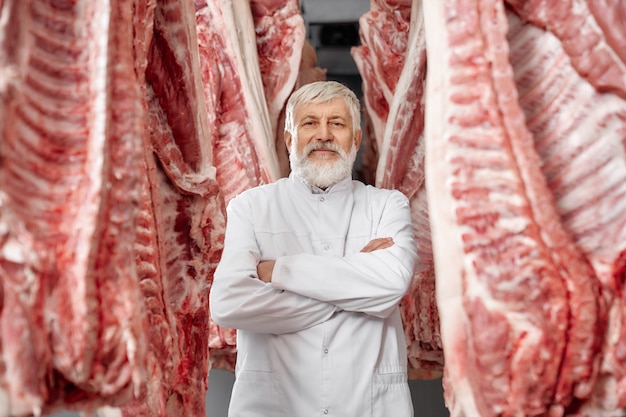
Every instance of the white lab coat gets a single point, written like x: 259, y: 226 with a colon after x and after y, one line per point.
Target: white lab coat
x: 325, y: 337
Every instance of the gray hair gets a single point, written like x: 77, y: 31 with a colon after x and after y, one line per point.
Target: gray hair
x: 321, y: 92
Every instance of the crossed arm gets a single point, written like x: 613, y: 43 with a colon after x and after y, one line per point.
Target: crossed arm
x: 266, y: 268
x: 298, y: 291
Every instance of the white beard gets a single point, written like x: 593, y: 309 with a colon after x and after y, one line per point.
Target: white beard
x: 325, y: 174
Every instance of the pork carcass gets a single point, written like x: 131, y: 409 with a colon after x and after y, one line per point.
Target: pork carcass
x: 525, y: 312
x: 182, y: 217
x: 384, y: 32
x: 583, y: 156
x: 280, y: 35
x: 243, y: 149
x: 70, y: 183
x: 400, y: 160
x: 110, y: 210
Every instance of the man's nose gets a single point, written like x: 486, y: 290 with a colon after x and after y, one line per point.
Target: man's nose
x: 324, y: 133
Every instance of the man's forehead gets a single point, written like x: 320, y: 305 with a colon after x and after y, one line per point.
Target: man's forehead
x: 336, y: 107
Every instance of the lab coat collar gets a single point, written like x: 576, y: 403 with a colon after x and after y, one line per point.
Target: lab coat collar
x: 342, y: 185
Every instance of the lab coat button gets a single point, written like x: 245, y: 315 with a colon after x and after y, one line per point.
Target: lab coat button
x: 326, y: 247
x: 321, y: 199
x: 325, y: 350
x: 325, y: 411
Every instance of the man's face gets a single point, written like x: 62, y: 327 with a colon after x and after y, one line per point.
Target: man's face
x: 324, y: 122
x: 325, y: 147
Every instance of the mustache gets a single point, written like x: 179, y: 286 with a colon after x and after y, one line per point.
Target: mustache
x: 328, y: 146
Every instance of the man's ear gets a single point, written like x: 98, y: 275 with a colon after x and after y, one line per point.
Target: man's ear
x: 357, y: 138
x: 287, y: 137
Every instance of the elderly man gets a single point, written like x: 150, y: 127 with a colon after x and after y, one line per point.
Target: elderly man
x: 313, y: 270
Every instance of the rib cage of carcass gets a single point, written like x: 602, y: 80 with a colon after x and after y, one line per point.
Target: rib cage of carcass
x: 126, y: 126
x: 110, y: 210
x: 525, y: 138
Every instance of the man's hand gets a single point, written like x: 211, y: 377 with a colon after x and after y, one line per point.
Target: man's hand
x: 378, y: 243
x: 264, y: 270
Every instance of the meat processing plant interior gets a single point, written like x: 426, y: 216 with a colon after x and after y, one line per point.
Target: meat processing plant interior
x: 190, y: 228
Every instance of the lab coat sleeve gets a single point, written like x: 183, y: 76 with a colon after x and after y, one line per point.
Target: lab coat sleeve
x: 372, y: 283
x: 239, y: 299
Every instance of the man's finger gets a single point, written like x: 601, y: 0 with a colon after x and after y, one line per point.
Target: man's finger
x: 264, y: 270
x: 378, y: 243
